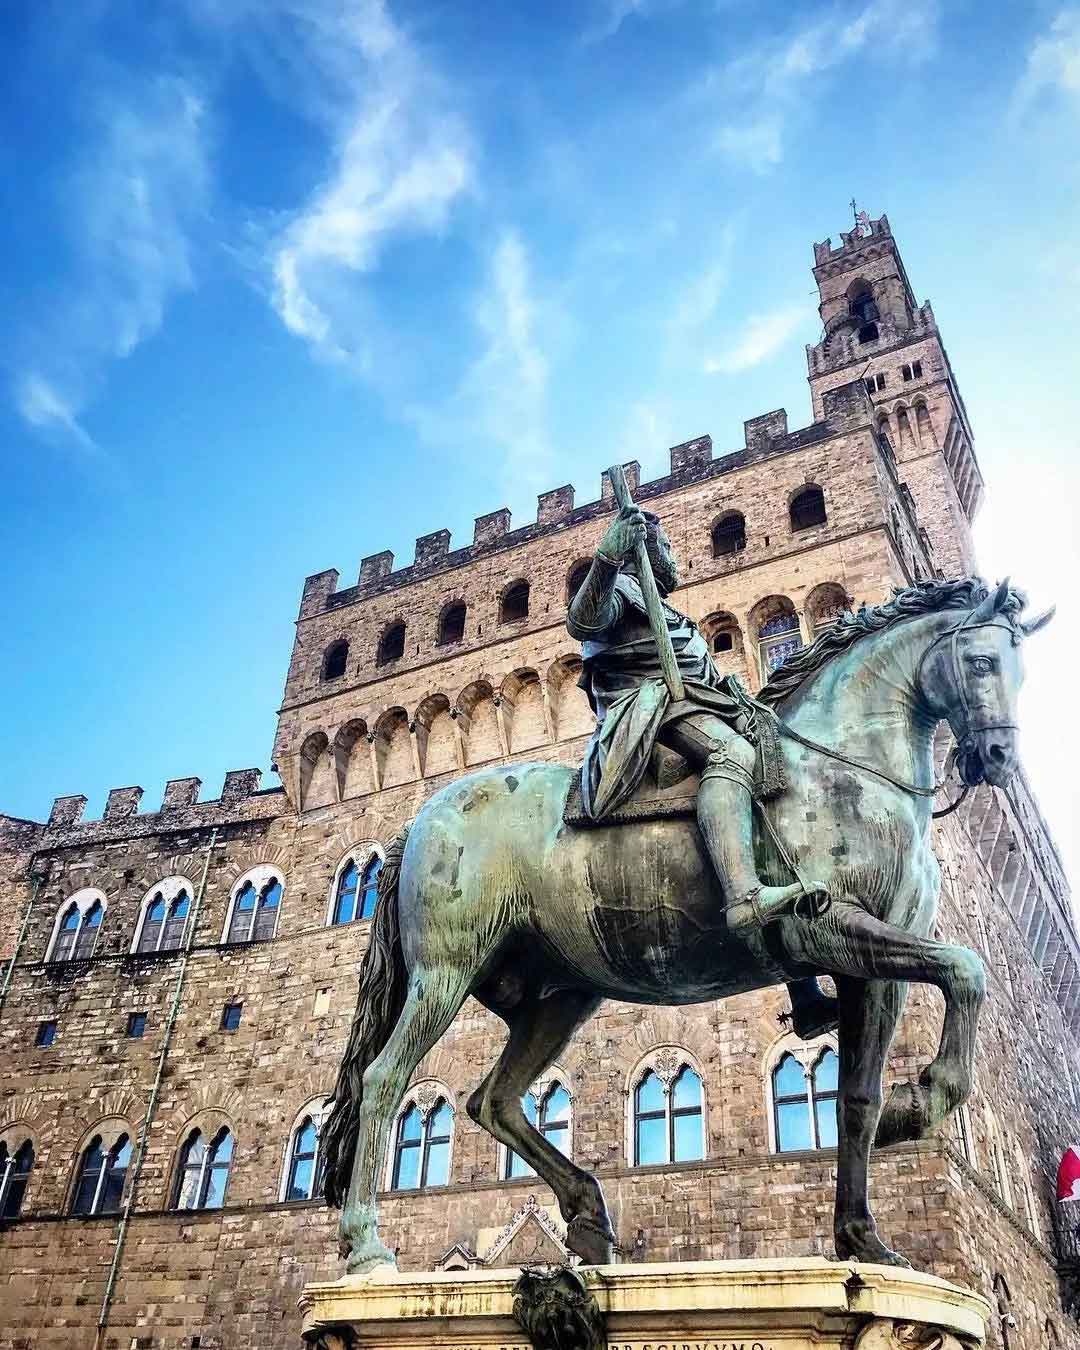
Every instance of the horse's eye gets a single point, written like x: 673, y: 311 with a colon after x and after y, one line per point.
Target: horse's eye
x: 982, y: 665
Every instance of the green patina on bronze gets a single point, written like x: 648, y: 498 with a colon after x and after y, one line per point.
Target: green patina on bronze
x: 491, y: 894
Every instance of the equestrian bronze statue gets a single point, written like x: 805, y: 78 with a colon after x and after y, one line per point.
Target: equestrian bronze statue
x: 807, y: 851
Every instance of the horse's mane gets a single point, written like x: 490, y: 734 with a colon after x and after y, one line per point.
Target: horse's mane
x: 925, y: 597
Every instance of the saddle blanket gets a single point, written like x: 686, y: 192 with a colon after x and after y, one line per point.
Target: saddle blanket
x: 665, y: 791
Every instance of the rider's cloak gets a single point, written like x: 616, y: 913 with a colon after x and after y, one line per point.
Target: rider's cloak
x: 622, y: 677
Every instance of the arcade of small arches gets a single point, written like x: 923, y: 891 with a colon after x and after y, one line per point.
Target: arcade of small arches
x: 530, y: 708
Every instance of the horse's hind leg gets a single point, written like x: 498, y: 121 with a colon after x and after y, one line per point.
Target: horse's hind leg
x: 539, y: 1028
x: 850, y: 941
x: 869, y: 1011
x: 434, y: 996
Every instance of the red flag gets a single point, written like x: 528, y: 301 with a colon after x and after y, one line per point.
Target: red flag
x: 1068, y: 1178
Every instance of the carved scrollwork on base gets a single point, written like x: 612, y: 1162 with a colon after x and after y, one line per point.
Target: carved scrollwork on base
x: 886, y: 1334
x: 557, y: 1311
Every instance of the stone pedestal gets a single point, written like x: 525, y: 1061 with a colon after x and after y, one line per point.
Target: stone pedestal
x: 807, y: 1304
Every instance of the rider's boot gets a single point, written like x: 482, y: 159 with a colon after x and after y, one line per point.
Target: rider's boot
x: 725, y: 817
x: 813, y: 1011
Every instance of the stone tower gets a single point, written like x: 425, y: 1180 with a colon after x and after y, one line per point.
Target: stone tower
x: 875, y: 330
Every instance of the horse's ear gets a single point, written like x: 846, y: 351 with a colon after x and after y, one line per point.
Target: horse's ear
x: 991, y: 605
x: 1040, y: 621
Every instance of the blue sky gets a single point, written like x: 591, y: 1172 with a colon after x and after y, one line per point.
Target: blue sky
x: 287, y: 282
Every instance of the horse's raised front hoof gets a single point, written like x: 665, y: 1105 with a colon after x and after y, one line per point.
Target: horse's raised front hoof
x: 857, y: 1240
x: 905, y: 1117
x: 595, y: 1244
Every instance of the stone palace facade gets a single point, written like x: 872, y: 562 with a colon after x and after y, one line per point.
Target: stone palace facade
x: 179, y: 982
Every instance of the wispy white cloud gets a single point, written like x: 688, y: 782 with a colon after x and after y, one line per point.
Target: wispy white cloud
x: 140, y: 188
x: 614, y: 15
x: 501, y: 401
x: 772, y: 79
x: 762, y: 338
x: 42, y: 406
x: 1053, y: 61
x: 399, y: 159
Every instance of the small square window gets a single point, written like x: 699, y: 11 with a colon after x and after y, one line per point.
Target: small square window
x: 905, y: 373
x: 136, y: 1027
x: 879, y: 380
x: 230, y: 1016
x: 46, y: 1033
x: 916, y: 369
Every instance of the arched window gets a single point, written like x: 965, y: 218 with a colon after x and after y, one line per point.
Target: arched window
x: 163, y: 920
x: 202, y: 1175
x: 808, y: 509
x: 515, y: 602
x: 778, y: 637
x: 804, y: 1104
x: 452, y: 624
x: 356, y: 891
x: 576, y: 579
x: 303, y: 1161
x: 550, y: 1113
x: 391, y: 644
x: 255, y: 908
x: 863, y: 307
x: 335, y: 660
x: 724, y: 641
x: 77, y: 927
x: 668, y: 1120
x: 15, y: 1169
x: 729, y: 534
x: 99, y: 1186
x: 422, y: 1147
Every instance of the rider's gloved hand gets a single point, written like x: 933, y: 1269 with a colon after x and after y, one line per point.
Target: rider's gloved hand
x: 623, y: 535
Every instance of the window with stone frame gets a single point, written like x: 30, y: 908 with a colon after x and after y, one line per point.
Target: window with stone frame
x: 729, y: 534
x: 335, y: 660
x: 807, y: 508
x: 547, y: 1108
x: 202, y: 1174
x: 576, y: 579
x: 391, y: 645
x: 302, y: 1161
x: 778, y: 638
x: 99, y: 1183
x: 254, y: 910
x: 668, y: 1115
x: 452, y: 624
x: 422, y: 1145
x: 804, y: 1095
x: 164, y: 917
x: 77, y: 928
x: 15, y: 1168
x: 356, y: 891
x: 515, y: 603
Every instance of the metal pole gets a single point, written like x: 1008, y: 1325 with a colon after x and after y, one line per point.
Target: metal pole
x: 653, y: 604
x: 155, y: 1091
x: 36, y: 882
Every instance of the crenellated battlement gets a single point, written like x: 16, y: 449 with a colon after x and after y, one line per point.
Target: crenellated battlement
x: 852, y: 241
x: 690, y: 462
x: 180, y: 808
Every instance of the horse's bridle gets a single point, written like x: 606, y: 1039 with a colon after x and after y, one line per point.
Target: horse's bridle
x: 968, y: 729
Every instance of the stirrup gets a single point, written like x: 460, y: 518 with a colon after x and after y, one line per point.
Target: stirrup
x: 811, y: 905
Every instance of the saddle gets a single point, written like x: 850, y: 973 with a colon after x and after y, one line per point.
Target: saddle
x: 667, y: 788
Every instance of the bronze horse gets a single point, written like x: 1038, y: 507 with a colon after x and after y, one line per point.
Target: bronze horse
x: 489, y: 893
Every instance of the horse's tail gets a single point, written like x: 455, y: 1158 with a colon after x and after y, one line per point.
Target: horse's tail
x: 383, y: 980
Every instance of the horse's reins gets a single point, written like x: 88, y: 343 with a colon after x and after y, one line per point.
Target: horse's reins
x: 969, y: 731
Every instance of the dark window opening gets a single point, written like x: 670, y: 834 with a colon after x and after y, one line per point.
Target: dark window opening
x: 863, y: 307
x: 577, y: 579
x: 729, y: 535
x: 515, y: 603
x: 15, y: 1172
x: 723, y: 642
x: 452, y: 625
x: 868, y: 332
x: 391, y: 645
x: 136, y: 1027
x: 46, y: 1034
x: 808, y: 509
x: 230, y: 1016
x: 337, y: 654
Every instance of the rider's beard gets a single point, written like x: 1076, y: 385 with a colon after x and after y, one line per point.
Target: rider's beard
x: 663, y: 565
